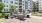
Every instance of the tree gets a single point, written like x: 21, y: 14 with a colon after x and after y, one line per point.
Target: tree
x: 12, y: 7
x: 1, y: 6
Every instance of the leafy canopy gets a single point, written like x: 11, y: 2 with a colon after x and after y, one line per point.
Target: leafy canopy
x: 12, y: 6
x: 1, y: 5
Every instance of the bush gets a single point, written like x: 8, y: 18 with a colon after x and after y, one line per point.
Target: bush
x: 3, y: 15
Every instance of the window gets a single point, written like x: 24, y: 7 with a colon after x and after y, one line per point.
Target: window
x: 7, y: 9
x: 20, y: 0
x: 26, y: 2
x: 6, y: 1
x: 16, y: 3
x: 6, y: 5
x: 16, y: 6
x: 4, y: 10
x: 23, y: 8
x: 23, y: 1
x: 11, y: 1
x: 23, y: 4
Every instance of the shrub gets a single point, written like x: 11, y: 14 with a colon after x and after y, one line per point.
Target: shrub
x: 3, y: 15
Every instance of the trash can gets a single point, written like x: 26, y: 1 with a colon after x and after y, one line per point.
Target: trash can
x: 6, y: 17
x: 28, y: 16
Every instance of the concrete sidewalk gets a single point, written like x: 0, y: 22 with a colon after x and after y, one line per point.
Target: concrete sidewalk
x: 28, y: 20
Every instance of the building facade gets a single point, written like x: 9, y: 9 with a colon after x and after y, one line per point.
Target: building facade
x: 26, y: 5
x: 40, y: 5
x: 7, y: 2
x: 35, y: 9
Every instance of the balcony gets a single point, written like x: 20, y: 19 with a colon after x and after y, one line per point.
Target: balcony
x: 20, y: 0
x: 20, y: 4
x: 20, y: 10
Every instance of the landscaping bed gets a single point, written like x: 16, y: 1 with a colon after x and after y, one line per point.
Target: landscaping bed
x: 37, y: 14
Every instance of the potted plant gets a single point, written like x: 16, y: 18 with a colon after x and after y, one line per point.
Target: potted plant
x: 6, y: 16
x: 28, y: 16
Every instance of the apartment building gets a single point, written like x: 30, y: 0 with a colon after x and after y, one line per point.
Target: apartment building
x: 26, y: 5
x: 20, y: 5
x: 35, y: 9
x: 7, y: 2
x: 40, y: 5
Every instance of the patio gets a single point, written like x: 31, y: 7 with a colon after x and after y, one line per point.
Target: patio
x: 14, y: 20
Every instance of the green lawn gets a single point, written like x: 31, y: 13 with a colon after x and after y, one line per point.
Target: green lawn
x: 37, y: 14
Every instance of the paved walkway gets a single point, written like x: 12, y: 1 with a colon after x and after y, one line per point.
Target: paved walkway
x: 28, y: 20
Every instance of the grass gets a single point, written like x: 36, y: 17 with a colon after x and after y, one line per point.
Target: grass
x: 37, y: 14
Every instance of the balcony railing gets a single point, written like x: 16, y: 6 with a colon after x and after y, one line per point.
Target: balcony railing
x: 20, y: 2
